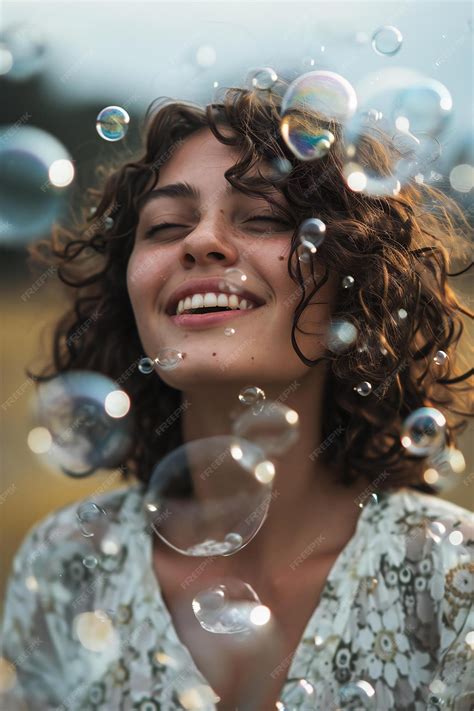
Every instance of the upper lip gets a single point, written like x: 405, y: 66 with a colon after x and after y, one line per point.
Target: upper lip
x: 203, y: 286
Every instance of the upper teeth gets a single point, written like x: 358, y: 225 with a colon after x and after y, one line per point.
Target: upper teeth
x: 198, y: 301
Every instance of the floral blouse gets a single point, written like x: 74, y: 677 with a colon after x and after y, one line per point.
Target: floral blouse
x: 86, y: 627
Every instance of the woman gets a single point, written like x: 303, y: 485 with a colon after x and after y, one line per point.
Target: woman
x: 369, y: 590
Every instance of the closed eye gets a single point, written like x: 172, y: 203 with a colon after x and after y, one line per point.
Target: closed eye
x: 259, y: 218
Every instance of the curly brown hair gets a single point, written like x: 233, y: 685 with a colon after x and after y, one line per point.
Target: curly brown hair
x: 399, y: 248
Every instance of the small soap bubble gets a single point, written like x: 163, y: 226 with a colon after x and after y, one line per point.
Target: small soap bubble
x: 112, y: 123
x: 251, y: 394
x: 357, y: 695
x: 402, y: 314
x: 348, y: 282
x: 263, y: 78
x: 311, y: 234
x: 146, y: 365
x: 169, y: 358
x: 387, y: 40
x: 372, y: 498
x: 364, y: 388
x: 229, y: 331
x: 436, y: 530
x: 281, y: 168
x: 341, y: 336
x: 234, y: 280
x: 226, y: 608
x: 423, y: 431
x: 323, y: 93
x: 90, y: 562
x: 440, y: 358
x: 90, y: 516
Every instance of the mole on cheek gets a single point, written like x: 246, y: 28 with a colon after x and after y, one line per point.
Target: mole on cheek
x: 213, y: 354
x: 281, y: 258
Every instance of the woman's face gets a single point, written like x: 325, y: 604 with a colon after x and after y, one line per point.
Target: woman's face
x: 216, y: 229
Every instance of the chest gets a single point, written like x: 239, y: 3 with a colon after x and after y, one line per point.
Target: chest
x: 240, y: 667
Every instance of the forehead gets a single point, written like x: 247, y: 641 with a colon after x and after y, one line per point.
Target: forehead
x: 201, y: 160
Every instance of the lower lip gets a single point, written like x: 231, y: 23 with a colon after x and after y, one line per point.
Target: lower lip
x: 204, y: 320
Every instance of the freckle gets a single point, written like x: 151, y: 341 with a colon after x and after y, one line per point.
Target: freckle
x: 281, y: 258
x: 252, y: 358
x: 213, y: 354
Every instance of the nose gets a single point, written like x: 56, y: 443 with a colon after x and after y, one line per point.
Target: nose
x: 208, y: 243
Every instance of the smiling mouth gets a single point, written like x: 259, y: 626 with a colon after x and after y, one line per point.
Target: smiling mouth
x: 208, y: 316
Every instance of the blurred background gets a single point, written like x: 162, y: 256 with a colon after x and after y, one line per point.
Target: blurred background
x: 61, y: 63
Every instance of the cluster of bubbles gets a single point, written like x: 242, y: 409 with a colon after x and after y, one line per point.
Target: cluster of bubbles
x: 311, y: 235
x: 166, y: 359
x: 83, y: 423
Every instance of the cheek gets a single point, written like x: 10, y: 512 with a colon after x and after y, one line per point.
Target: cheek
x: 144, y: 277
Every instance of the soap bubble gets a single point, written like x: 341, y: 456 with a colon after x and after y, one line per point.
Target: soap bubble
x: 426, y: 105
x: 364, y: 388
x: 229, y: 331
x: 234, y: 280
x: 423, y: 431
x: 311, y: 233
x: 91, y: 518
x: 273, y: 429
x: 206, y: 498
x: 387, y: 40
x: 228, y: 608
x: 306, y: 139
x: 27, y: 49
x: 280, y: 168
x: 341, y: 335
x: 348, y: 282
x: 263, y: 78
x: 324, y: 93
x: 357, y: 696
x: 89, y: 425
x: 112, y: 123
x: 146, y: 365
x: 440, y: 358
x: 169, y: 358
x: 30, y: 202
x: 461, y: 178
x: 253, y: 397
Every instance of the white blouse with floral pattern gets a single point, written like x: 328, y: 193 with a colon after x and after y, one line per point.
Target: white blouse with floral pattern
x: 395, y: 613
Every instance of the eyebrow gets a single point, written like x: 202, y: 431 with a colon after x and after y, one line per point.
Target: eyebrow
x: 177, y: 190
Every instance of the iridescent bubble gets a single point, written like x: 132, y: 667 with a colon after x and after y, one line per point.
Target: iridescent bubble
x: 348, y: 282
x: 426, y: 105
x: 387, y: 40
x: 298, y: 694
x: 341, y: 336
x: 305, y: 138
x: 229, y: 331
x: 87, y: 417
x: 324, y: 93
x: 205, y: 497
x: 30, y: 202
x: 273, y: 429
x: 423, y: 432
x: 364, y: 388
x: 440, y: 358
x: 357, y: 695
x: 26, y: 48
x: 263, y: 78
x: 169, y: 358
x: 112, y: 123
x: 226, y: 608
x: 146, y: 365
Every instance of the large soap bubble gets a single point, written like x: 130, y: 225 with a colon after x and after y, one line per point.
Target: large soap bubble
x: 210, y: 496
x: 86, y: 416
